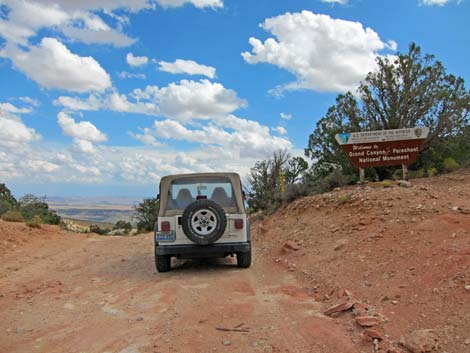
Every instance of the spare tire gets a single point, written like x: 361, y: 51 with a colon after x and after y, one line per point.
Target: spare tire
x: 204, y: 221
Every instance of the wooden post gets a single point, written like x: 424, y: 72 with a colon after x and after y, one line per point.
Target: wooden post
x: 405, y: 171
x: 362, y: 175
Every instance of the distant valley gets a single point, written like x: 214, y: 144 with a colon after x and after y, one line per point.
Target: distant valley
x: 95, y: 209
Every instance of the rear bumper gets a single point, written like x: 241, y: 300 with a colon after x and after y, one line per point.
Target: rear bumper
x: 202, y: 250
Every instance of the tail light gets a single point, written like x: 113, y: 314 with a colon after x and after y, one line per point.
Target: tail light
x: 239, y: 224
x: 165, y: 226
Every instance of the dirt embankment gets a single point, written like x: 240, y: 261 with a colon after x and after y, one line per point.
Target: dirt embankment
x: 400, y: 254
x: 388, y: 266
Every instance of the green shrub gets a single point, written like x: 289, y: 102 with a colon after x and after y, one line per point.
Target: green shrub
x: 432, y: 172
x: 34, y: 222
x: 12, y: 216
x: 450, y: 164
x: 335, y: 180
x: 94, y: 228
x: 127, y: 226
x: 4, y: 207
x: 416, y: 174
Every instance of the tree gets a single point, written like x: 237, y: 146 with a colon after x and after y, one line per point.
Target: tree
x: 31, y: 205
x: 127, y: 226
x: 146, y: 213
x: 404, y: 91
x: 265, y: 177
x: 7, y: 201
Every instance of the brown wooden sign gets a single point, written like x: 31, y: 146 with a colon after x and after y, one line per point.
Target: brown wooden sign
x: 384, y: 147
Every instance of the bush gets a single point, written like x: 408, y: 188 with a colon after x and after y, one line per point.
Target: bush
x: 335, y: 180
x: 94, y: 228
x: 12, y: 216
x: 387, y: 183
x: 4, y: 207
x: 432, y: 172
x: 416, y: 174
x: 127, y: 226
x: 450, y: 164
x: 34, y: 222
x: 30, y: 206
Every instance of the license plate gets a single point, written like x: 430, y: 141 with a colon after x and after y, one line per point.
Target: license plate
x: 165, y: 236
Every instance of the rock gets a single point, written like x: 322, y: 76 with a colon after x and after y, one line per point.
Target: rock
x: 374, y: 334
x: 339, y: 308
x: 467, y: 342
x: 226, y: 342
x: 340, y: 244
x: 291, y: 245
x: 404, y: 183
x: 367, y: 321
x: 467, y: 288
x: 421, y: 341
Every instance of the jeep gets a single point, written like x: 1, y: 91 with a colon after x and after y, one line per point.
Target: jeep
x: 201, y: 216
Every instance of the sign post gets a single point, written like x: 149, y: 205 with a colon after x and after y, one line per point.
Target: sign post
x: 383, y: 147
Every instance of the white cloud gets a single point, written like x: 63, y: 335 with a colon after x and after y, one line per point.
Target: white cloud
x: 42, y: 166
x: 202, y: 99
x: 52, y: 65
x: 434, y: 2
x: 286, y: 116
x: 31, y: 101
x: 125, y: 74
x: 196, y: 3
x: 14, y: 133
x: 187, y: 67
x: 342, y: 2
x: 280, y: 130
x: 84, y: 133
x: 10, y: 108
x: 136, y: 60
x: 184, y: 101
x: 325, y: 54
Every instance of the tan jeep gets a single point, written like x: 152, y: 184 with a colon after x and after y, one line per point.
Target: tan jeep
x: 201, y: 215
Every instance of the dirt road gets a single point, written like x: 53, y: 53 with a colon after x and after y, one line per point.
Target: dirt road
x: 64, y: 292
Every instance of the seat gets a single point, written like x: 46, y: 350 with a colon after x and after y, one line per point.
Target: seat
x: 184, y: 198
x: 220, y: 196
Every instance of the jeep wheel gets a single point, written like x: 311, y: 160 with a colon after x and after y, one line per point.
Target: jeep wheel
x: 204, y: 222
x: 244, y: 259
x: 163, y: 263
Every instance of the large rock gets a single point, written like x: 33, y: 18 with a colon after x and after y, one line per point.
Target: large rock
x: 367, y: 321
x: 339, y: 308
x: 421, y: 341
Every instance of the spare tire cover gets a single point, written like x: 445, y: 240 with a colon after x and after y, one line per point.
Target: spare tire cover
x: 204, y: 222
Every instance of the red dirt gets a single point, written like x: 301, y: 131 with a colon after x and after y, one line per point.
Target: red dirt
x: 401, y: 255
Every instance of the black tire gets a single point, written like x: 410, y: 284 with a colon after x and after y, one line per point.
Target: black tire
x: 163, y: 263
x: 244, y: 259
x: 205, y: 234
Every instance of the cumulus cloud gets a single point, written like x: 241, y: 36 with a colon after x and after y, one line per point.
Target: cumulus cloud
x: 434, y: 2
x: 184, y: 101
x: 280, y: 130
x: 189, y: 67
x: 13, y: 132
x: 136, y: 60
x: 285, y: 116
x: 83, y: 133
x: 10, y: 108
x: 325, y: 54
x: 52, y: 65
x: 125, y: 74
x: 196, y: 3
x: 342, y: 2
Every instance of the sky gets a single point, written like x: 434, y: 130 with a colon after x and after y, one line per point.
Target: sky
x: 106, y: 97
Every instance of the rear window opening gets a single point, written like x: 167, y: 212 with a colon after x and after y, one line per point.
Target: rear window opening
x: 185, y: 191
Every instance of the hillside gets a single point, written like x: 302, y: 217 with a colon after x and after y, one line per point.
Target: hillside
x: 368, y: 269
x: 401, y: 254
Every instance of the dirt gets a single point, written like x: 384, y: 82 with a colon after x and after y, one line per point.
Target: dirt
x: 398, y: 258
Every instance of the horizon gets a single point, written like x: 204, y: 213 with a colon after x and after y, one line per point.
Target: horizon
x: 98, y: 100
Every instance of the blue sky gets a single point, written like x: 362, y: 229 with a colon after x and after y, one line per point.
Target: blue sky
x: 105, y: 97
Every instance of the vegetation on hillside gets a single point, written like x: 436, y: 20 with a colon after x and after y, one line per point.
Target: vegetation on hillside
x: 405, y: 91
x: 28, y: 208
x: 146, y: 213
